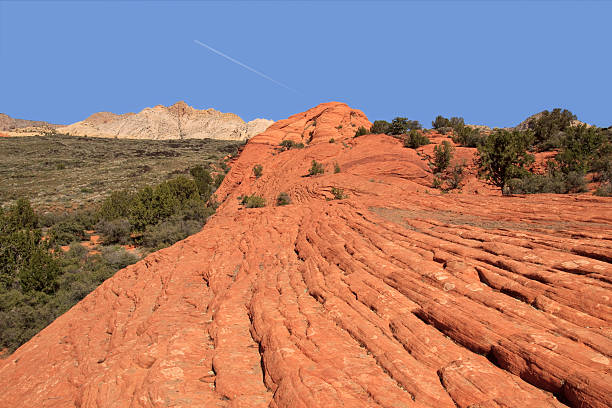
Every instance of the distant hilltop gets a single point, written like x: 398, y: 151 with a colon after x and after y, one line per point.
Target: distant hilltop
x: 8, y: 124
x: 178, y: 121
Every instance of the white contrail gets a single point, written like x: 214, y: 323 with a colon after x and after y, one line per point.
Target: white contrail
x: 244, y: 65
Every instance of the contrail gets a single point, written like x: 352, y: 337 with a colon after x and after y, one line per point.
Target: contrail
x: 244, y: 66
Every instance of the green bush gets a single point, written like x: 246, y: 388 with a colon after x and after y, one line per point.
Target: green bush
x: 117, y: 205
x: 455, y: 176
x: 449, y: 178
x: 552, y: 182
x: 37, y: 284
x: 444, y: 123
x: 380, y: 127
x: 604, y: 190
x: 65, y: 232
x: 253, y: 201
x: 579, y: 148
x: 440, y: 122
x: 316, y: 168
x: 25, y: 260
x: 415, y: 139
x: 401, y: 126
x: 467, y: 137
x: 258, y: 170
x: 547, y: 126
x: 338, y: 193
x: 204, y: 181
x: 443, y: 154
x: 290, y: 144
x: 115, y: 231
x: 169, y: 231
x: 19, y: 216
x: 283, y: 199
x: 336, y: 168
x: 117, y: 257
x: 332, y: 140
x: 503, y: 156
x: 361, y: 131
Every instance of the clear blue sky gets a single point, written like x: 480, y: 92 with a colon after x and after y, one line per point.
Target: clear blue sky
x: 493, y: 63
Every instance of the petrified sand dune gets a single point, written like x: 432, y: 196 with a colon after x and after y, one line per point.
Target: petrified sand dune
x: 179, y: 121
x: 396, y: 296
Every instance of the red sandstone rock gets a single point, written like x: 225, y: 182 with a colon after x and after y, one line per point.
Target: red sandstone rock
x: 396, y: 296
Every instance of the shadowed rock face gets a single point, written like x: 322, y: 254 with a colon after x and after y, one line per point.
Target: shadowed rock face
x: 179, y: 121
x: 393, y: 297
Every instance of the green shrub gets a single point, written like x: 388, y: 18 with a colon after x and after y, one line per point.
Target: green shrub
x: 437, y: 182
x: 169, y: 231
x: 444, y: 123
x: 316, y: 168
x: 290, y: 144
x: 579, y: 148
x: 116, y: 205
x: 283, y: 199
x: 19, y: 216
x: 380, y: 127
x: 332, y: 140
x: 115, y: 231
x: 443, y: 154
x: 503, y: 156
x: 604, y: 190
x: 440, y: 122
x: 336, y: 168
x: 338, y: 193
x: 456, y: 176
x: 253, y: 201
x: 449, y: 178
x: 117, y: 257
x: 196, y: 210
x: 547, y: 126
x: 258, y: 170
x: 415, y: 139
x: 400, y: 126
x: 65, y: 232
x: 467, y: 137
x: 361, y: 131
x: 204, y: 181
x: 552, y: 182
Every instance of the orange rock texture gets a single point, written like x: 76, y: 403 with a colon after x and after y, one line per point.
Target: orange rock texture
x: 395, y: 296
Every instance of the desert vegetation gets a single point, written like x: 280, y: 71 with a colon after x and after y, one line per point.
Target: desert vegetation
x: 290, y: 144
x: 45, y: 267
x: 415, y: 139
x: 258, y: 170
x: 283, y: 199
x: 316, y: 168
x: 60, y: 172
x: 505, y: 157
x: 252, y: 201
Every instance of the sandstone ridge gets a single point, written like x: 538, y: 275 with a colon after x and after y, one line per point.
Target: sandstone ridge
x: 395, y: 296
x: 178, y: 121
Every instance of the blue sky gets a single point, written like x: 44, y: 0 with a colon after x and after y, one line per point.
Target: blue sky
x: 493, y: 63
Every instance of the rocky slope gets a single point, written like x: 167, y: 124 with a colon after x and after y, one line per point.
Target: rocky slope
x: 396, y: 296
x: 179, y: 121
x: 8, y: 123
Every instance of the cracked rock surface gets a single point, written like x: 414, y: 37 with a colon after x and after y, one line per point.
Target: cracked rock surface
x: 396, y: 296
